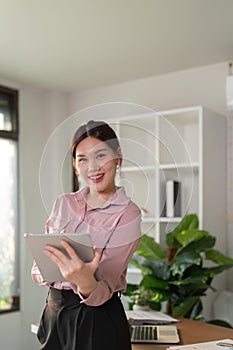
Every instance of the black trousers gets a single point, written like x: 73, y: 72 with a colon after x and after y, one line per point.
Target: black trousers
x: 67, y: 324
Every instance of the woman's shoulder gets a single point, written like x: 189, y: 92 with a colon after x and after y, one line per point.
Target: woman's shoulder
x: 130, y: 210
x: 69, y: 201
x: 124, y: 198
x: 134, y: 207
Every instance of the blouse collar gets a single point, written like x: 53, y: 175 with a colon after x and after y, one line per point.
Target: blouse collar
x: 118, y: 199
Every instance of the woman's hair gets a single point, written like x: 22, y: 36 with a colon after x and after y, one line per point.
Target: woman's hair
x: 97, y: 129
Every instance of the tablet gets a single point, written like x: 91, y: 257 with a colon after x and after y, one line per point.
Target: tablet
x: 50, y: 272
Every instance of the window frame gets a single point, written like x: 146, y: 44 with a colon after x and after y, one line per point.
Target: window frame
x: 13, y: 135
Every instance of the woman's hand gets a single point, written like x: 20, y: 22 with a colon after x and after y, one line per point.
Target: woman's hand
x: 73, y: 268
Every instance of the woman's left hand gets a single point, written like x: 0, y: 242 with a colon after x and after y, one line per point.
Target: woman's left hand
x: 73, y: 268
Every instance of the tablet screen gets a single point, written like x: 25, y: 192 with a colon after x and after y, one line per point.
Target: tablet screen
x: 50, y: 272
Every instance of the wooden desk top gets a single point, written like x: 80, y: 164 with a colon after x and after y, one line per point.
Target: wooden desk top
x: 192, y: 332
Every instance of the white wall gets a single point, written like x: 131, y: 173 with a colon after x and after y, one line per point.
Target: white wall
x: 199, y: 86
x: 40, y: 111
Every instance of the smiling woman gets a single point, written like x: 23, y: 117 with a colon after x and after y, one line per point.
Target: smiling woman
x: 9, y: 298
x: 85, y: 311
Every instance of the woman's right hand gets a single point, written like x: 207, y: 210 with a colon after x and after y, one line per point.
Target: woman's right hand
x: 74, y: 269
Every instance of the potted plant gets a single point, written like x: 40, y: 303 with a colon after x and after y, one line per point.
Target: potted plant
x: 141, y: 298
x: 178, y: 274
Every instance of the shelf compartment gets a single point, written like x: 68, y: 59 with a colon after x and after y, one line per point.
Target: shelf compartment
x: 139, y: 186
x: 179, y: 136
x: 189, y: 186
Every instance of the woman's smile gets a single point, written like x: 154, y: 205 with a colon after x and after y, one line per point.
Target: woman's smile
x: 96, y: 178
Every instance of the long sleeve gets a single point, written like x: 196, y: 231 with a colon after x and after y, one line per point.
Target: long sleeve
x: 115, y: 259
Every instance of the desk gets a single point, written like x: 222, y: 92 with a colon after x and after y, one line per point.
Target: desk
x: 192, y: 332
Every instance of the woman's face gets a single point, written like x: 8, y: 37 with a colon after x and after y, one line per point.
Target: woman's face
x: 96, y: 164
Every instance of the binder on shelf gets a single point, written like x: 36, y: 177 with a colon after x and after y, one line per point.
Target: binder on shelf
x: 173, y: 198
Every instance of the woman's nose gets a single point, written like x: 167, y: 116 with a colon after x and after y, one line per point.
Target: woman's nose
x: 93, y: 165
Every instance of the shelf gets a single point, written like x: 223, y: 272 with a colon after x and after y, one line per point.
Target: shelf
x: 175, y: 145
x: 172, y: 166
x: 149, y: 220
x: 146, y: 168
x: 160, y: 219
x: 170, y: 219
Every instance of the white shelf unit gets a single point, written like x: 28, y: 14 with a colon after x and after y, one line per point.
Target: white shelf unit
x: 186, y: 145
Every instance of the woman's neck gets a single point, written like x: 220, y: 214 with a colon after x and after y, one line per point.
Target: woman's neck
x: 96, y: 199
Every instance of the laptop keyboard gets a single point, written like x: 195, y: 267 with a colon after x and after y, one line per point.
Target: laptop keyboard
x: 143, y: 333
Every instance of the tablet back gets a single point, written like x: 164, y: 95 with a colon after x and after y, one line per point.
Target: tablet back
x: 49, y: 270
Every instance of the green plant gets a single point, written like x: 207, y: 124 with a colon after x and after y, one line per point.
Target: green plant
x: 178, y: 274
x: 141, y: 296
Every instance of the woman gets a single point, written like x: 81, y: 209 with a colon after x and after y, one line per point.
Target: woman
x: 85, y: 313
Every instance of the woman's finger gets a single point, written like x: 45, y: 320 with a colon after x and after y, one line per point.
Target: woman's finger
x: 55, y: 255
x: 71, y: 252
x: 96, y: 258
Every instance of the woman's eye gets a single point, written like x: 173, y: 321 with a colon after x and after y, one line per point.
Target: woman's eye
x: 101, y: 155
x: 82, y: 159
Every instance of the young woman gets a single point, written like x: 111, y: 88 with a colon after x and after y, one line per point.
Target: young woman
x: 85, y: 313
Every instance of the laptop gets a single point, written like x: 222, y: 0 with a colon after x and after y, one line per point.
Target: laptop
x: 154, y: 334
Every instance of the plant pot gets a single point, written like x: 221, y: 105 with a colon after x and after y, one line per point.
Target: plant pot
x: 140, y: 307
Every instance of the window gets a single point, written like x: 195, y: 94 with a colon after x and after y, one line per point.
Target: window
x: 9, y: 240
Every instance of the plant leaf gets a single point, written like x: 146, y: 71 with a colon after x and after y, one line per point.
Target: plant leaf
x: 186, y: 237
x: 195, y: 311
x: 202, y: 277
x: 130, y: 288
x: 204, y: 243
x: 218, y: 258
x: 188, y: 222
x: 184, y: 261
x: 139, y: 265
x: 150, y: 249
x: 159, y: 268
x: 194, y: 283
x: 213, y: 271
x: 153, y: 283
x: 160, y: 295
x: 184, y: 308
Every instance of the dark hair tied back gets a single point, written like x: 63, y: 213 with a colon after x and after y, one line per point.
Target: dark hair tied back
x: 97, y: 129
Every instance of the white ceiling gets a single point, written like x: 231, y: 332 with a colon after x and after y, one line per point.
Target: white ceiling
x: 79, y: 44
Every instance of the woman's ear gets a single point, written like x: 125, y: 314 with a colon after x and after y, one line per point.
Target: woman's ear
x: 119, y: 156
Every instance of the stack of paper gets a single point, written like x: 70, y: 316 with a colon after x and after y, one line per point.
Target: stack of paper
x: 149, y: 317
x: 224, y: 344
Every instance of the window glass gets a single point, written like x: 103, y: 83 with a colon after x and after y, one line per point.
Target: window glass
x: 8, y: 222
x: 9, y: 242
x: 5, y: 112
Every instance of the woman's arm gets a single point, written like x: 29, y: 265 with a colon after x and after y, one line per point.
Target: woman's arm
x: 115, y: 258
x: 113, y: 268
